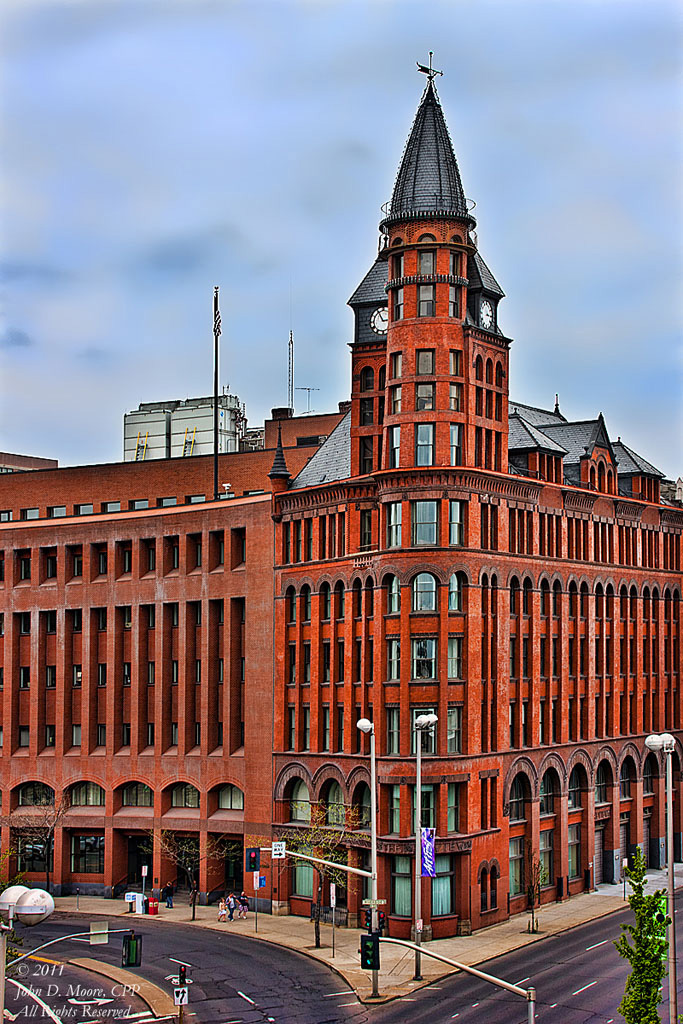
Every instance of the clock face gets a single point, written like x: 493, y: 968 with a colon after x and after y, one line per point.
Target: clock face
x: 486, y: 314
x: 380, y: 320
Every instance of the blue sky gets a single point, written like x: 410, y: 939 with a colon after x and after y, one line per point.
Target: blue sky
x: 155, y: 148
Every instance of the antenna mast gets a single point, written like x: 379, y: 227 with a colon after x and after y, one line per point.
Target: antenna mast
x: 290, y: 378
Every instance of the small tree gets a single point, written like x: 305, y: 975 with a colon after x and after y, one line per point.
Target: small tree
x: 536, y: 877
x: 326, y: 836
x: 182, y: 849
x: 38, y: 825
x: 645, y: 953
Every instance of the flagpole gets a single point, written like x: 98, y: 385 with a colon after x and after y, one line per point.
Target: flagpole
x: 216, y: 336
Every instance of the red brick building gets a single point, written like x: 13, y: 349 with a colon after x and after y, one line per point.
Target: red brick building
x: 200, y: 666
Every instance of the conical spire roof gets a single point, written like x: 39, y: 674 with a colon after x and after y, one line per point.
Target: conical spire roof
x: 428, y: 180
x: 279, y: 470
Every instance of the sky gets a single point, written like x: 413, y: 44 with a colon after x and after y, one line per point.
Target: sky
x: 156, y: 148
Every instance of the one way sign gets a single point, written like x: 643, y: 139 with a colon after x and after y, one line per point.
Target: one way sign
x: 180, y: 995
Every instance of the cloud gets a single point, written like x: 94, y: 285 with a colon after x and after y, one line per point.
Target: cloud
x: 15, y: 272
x: 15, y: 338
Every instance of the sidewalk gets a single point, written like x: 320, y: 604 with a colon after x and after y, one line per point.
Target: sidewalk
x: 395, y: 978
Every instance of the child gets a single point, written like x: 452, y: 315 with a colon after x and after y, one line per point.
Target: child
x: 222, y: 910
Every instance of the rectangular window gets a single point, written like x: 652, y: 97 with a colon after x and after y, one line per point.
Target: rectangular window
x: 427, y: 262
x: 393, y: 723
x: 76, y: 676
x: 340, y: 661
x: 401, y: 887
x: 340, y: 727
x: 24, y: 567
x: 546, y: 855
x: 428, y: 808
x: 455, y: 397
x: 56, y: 511
x: 454, y: 732
x: 396, y: 364
x: 83, y: 510
x: 426, y: 302
x: 453, y: 823
x: 23, y: 737
x: 394, y: 658
x: 75, y: 735
x: 456, y: 444
x: 516, y: 859
x: 24, y: 677
x: 51, y: 622
x: 174, y: 672
x: 395, y: 398
x: 306, y: 728
x: 366, y: 412
x: 50, y: 735
x: 291, y: 673
x: 394, y: 524
x: 424, y: 444
x: 325, y: 737
x: 425, y: 522
x: 87, y: 855
x: 326, y: 662
x: 394, y: 447
x: 424, y: 362
x: 443, y: 885
x: 50, y: 677
x: 424, y: 397
x: 398, y: 309
x: 456, y: 523
x: 397, y: 265
x: 455, y: 363
x: 24, y: 622
x: 455, y: 657
x: 126, y: 673
x: 102, y: 674
x: 395, y: 810
x: 453, y: 300
x: 574, y: 844
x: 51, y: 567
x: 102, y: 563
x: 365, y: 529
x: 424, y: 658
x: 365, y: 458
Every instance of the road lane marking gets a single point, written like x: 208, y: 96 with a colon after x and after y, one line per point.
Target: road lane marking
x: 521, y: 982
x: 341, y: 1004
x: 474, y: 1004
x: 328, y: 995
x: 45, y: 960
x: 246, y: 997
x: 595, y: 946
x: 455, y: 1015
x: 32, y: 995
x: 579, y: 990
x: 553, y: 1005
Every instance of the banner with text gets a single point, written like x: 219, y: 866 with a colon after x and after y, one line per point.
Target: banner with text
x: 428, y: 865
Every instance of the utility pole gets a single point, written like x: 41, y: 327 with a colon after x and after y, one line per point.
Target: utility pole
x: 216, y: 336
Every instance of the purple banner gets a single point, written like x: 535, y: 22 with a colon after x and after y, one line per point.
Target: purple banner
x: 428, y: 865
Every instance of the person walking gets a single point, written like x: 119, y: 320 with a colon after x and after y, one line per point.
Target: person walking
x: 232, y: 903
x: 222, y: 909
x: 167, y: 894
x: 244, y: 905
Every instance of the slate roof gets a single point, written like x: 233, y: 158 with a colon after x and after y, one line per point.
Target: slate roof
x: 575, y: 438
x: 522, y: 435
x: 371, y: 288
x: 332, y: 461
x: 631, y: 464
x: 531, y: 414
x: 480, y: 276
x: 428, y: 178
x: 279, y: 469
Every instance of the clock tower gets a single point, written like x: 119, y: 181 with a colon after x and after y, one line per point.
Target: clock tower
x: 430, y: 363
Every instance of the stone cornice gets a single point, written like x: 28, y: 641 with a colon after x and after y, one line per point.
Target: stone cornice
x: 672, y: 517
x: 578, y: 501
x: 627, y: 510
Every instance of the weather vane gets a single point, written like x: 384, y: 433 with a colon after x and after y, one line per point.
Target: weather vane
x: 430, y: 71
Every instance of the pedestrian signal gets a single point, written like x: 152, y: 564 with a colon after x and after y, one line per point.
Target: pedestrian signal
x: 369, y: 952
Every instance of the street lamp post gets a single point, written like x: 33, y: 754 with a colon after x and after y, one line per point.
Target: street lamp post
x: 30, y: 906
x: 366, y: 726
x: 422, y: 724
x: 665, y: 742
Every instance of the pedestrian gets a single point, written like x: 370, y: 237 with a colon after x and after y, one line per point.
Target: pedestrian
x: 232, y: 904
x: 244, y: 905
x: 167, y: 894
x: 222, y: 909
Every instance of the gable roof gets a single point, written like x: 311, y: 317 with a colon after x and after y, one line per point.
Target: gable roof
x: 631, y: 464
x: 580, y: 438
x: 332, y: 461
x: 522, y: 435
x: 532, y: 414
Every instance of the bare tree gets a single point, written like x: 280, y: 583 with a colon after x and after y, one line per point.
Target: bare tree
x: 182, y: 849
x: 37, y: 823
x: 326, y: 836
x: 536, y: 877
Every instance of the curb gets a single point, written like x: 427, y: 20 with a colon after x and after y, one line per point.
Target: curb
x: 158, y: 1001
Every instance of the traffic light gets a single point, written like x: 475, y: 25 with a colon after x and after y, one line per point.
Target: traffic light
x: 661, y: 919
x: 367, y: 919
x: 253, y: 858
x: 182, y: 975
x: 131, y: 955
x: 369, y: 952
x: 382, y: 920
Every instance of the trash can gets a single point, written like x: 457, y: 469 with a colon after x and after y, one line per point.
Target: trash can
x: 152, y: 906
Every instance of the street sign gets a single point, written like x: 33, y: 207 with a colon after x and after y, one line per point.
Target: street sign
x: 262, y: 882
x: 374, y: 903
x: 256, y: 879
x: 278, y: 851
x: 333, y: 894
x: 180, y: 996
x: 143, y: 870
x: 99, y: 932
x: 418, y: 925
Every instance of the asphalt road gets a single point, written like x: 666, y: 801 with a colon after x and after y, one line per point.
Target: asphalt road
x: 578, y: 975
x: 58, y: 992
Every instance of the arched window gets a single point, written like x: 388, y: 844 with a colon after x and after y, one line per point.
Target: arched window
x: 599, y: 602
x: 514, y: 595
x: 626, y: 776
x: 137, y: 794
x: 357, y: 599
x: 609, y: 601
x: 367, y: 379
x: 593, y: 478
x: 610, y: 482
x: 36, y: 794
x: 424, y: 593
x: 426, y: 238
x: 230, y: 798
x: 299, y: 802
x: 575, y: 787
x: 479, y: 368
x: 499, y: 375
x: 493, y: 888
x: 393, y: 595
x: 646, y: 603
x: 667, y: 606
x: 583, y: 601
x: 545, y: 598
x: 602, y: 781
x: 86, y: 794
x: 184, y: 795
x: 601, y: 477
x: 339, y: 600
x: 325, y: 601
x: 369, y: 599
x: 489, y: 371
x: 633, y: 603
x: 335, y: 812
x: 484, y: 886
x: 361, y: 804
x: 455, y: 592
x: 519, y: 791
x: 382, y: 378
x: 526, y: 597
x: 557, y: 597
x: 573, y: 595
x: 655, y: 604
x: 306, y: 603
x: 549, y: 790
x: 649, y: 774
x: 290, y: 598
x: 623, y: 602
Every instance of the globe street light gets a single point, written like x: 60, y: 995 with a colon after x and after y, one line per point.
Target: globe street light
x: 30, y: 906
x: 665, y: 742
x: 422, y: 724
x: 366, y: 726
